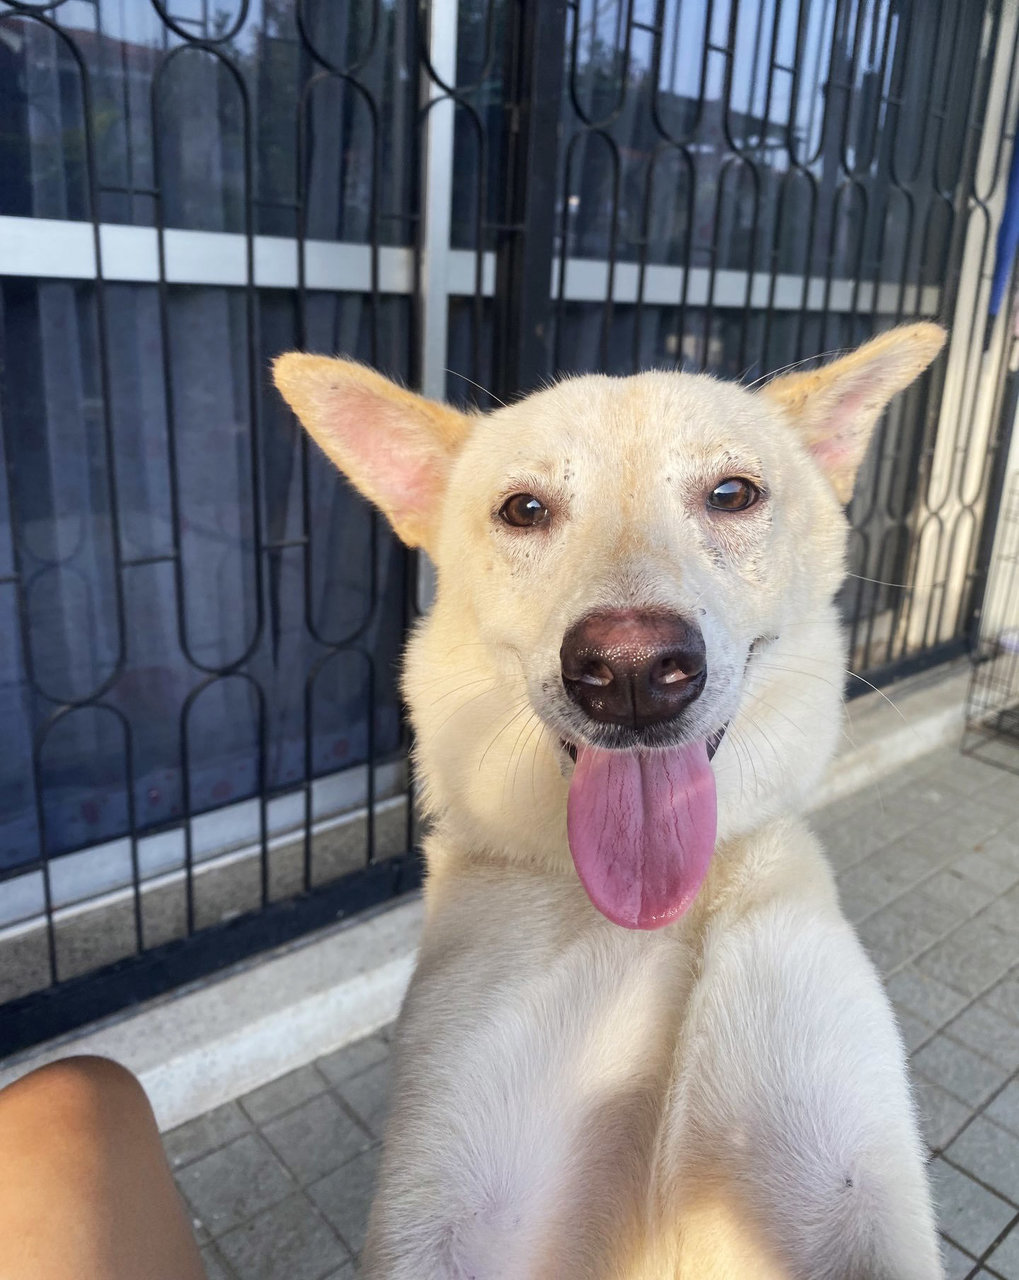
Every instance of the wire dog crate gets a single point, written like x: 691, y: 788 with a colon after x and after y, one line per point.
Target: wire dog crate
x: 992, y: 707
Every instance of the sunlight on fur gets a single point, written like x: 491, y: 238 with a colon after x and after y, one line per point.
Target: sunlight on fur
x: 641, y: 1041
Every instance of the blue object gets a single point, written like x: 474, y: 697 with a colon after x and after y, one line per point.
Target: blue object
x: 1008, y: 237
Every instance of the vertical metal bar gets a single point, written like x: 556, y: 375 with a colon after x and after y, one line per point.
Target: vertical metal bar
x: 533, y: 79
x: 437, y: 209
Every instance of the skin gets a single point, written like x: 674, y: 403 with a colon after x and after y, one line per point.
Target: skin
x: 85, y: 1190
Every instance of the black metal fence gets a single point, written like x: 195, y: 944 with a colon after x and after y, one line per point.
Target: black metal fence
x: 203, y: 753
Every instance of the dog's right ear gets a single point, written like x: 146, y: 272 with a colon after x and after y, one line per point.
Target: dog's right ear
x: 394, y: 446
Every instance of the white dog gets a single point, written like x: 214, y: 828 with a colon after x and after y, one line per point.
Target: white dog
x: 642, y: 1041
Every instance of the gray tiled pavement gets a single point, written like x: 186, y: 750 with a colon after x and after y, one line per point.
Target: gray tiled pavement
x: 279, y: 1181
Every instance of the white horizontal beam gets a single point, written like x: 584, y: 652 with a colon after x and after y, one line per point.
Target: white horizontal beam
x: 53, y: 249
x: 586, y: 280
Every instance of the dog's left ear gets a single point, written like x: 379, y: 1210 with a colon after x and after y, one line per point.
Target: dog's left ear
x: 836, y: 407
x: 394, y: 446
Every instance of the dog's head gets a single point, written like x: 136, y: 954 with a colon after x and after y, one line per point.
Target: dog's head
x: 633, y: 647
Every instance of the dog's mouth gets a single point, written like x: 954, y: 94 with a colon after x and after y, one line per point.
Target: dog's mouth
x: 641, y: 825
x: 713, y: 742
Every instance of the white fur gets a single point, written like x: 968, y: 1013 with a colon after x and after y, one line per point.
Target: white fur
x: 724, y: 1098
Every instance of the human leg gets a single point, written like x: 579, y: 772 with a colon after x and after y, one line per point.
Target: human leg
x: 85, y: 1190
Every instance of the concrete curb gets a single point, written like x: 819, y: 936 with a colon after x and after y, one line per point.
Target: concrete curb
x: 202, y: 1047
x: 195, y: 1050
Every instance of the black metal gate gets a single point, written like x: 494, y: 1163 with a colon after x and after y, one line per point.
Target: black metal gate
x: 203, y: 754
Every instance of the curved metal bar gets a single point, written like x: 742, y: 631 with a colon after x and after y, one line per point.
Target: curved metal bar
x: 362, y: 58
x: 656, y: 115
x: 601, y: 122
x: 205, y: 42
x: 26, y: 9
x: 184, y: 739
x: 164, y: 306
x: 40, y: 738
x: 104, y: 370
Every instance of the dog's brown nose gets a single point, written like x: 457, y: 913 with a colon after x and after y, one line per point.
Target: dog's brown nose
x: 632, y: 668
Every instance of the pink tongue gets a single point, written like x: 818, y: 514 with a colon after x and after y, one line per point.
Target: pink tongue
x: 642, y: 831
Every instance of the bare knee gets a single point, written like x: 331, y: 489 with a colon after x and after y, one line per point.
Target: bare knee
x: 81, y: 1090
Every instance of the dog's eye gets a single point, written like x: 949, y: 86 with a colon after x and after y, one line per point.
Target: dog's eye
x: 733, y: 494
x: 524, y: 511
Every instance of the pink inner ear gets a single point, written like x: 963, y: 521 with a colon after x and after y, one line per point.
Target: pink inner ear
x: 840, y: 438
x: 396, y: 462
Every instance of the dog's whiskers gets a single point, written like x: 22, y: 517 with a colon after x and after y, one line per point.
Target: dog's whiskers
x: 795, y: 364
x: 879, y: 692
x: 879, y: 581
x: 491, y: 394
x: 467, y: 684
x: 464, y: 705
x: 517, y: 755
x: 518, y: 710
x: 775, y: 711
x: 538, y: 740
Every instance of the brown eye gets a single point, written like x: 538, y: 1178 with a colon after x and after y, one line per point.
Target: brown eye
x: 733, y: 494
x: 524, y: 511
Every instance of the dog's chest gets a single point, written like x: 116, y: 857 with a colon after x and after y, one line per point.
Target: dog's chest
x: 553, y: 1065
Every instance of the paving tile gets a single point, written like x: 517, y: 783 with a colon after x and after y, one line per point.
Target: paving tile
x: 908, y: 861
x: 205, y: 1134
x: 1004, y: 798
x: 865, y: 888
x: 987, y: 1033
x: 215, y: 1267
x: 846, y: 813
x: 931, y: 845
x: 985, y: 871
x: 928, y: 914
x: 970, y: 823
x: 892, y: 938
x: 1003, y: 912
x: 990, y: 1154
x: 291, y: 1240
x: 352, y: 1059
x: 958, y: 1265
x: 283, y: 1094
x: 917, y: 801
x: 858, y: 901
x: 1004, y: 845
x: 971, y: 959
x: 368, y: 1096
x: 346, y: 1195
x: 923, y: 996
x: 316, y: 1138
x: 941, y: 1115
x: 958, y: 892
x: 1005, y: 1258
x: 845, y: 847
x: 964, y: 774
x: 1004, y: 998
x: 970, y: 1215
x: 914, y: 1031
x: 962, y: 1073
x: 235, y: 1182
x: 1004, y: 1109
x: 915, y: 855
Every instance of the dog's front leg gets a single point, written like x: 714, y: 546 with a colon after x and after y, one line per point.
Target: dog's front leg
x: 793, y: 1107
